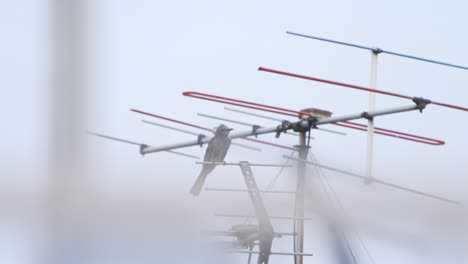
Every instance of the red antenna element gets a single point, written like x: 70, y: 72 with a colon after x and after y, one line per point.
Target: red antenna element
x: 356, y: 87
x: 392, y: 133
x: 347, y: 124
x: 172, y: 120
x: 207, y: 129
x: 241, y: 103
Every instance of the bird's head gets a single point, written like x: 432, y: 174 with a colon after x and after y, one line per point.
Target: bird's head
x: 223, y: 130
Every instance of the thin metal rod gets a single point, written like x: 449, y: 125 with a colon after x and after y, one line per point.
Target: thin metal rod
x: 333, y: 82
x: 376, y: 50
x: 269, y: 143
x: 253, y: 114
x: 377, y: 181
x: 227, y: 120
x: 285, y: 234
x: 183, y: 154
x: 170, y: 127
x: 392, y: 133
x: 272, y: 217
x: 357, y: 87
x: 325, y: 167
x: 426, y: 60
x: 245, y: 146
x: 329, y: 40
x: 170, y: 119
x: 272, y: 253
x: 114, y: 138
x: 243, y: 190
x: 195, y: 134
x: 243, y: 162
x: 235, y: 233
x: 331, y: 131
x: 140, y: 144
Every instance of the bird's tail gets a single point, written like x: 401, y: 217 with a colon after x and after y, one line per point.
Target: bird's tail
x: 198, y: 185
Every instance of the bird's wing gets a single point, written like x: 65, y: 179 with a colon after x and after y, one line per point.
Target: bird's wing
x: 210, y: 153
x: 223, y: 151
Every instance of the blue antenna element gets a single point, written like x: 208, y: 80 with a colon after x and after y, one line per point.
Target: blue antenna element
x: 377, y: 50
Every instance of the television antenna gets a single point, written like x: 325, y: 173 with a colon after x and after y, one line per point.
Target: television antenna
x: 304, y: 122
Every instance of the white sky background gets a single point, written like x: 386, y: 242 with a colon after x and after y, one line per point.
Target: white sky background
x: 144, y: 54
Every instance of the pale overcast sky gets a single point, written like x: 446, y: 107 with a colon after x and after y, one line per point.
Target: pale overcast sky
x: 144, y: 54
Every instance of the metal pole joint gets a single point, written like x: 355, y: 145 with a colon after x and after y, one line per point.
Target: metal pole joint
x: 421, y: 103
x: 367, y: 116
x: 254, y: 130
x: 142, y: 148
x: 285, y: 125
x: 305, y: 125
x: 376, y: 51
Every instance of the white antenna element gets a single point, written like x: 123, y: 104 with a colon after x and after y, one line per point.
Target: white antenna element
x: 227, y: 120
x: 172, y: 128
x: 243, y: 190
x: 376, y: 181
x: 140, y: 144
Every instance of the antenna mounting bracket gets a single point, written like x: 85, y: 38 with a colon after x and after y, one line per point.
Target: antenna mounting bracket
x: 421, y: 103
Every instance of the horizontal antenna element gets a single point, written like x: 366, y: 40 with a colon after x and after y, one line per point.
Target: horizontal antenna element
x: 246, y: 104
x: 375, y: 180
x: 357, y: 87
x: 377, y: 50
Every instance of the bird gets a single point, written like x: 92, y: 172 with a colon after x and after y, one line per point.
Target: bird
x: 216, y: 151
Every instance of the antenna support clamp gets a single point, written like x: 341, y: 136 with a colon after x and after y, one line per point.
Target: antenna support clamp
x: 142, y: 148
x: 254, y: 130
x: 367, y: 116
x: 421, y: 103
x: 285, y: 125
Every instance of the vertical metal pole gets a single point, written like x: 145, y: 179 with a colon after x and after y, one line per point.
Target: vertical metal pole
x: 301, y: 171
x: 370, y: 122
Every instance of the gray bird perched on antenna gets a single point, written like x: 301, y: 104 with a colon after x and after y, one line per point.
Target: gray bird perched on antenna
x: 215, y: 152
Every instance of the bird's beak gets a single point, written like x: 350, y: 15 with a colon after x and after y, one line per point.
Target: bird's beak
x: 229, y: 129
